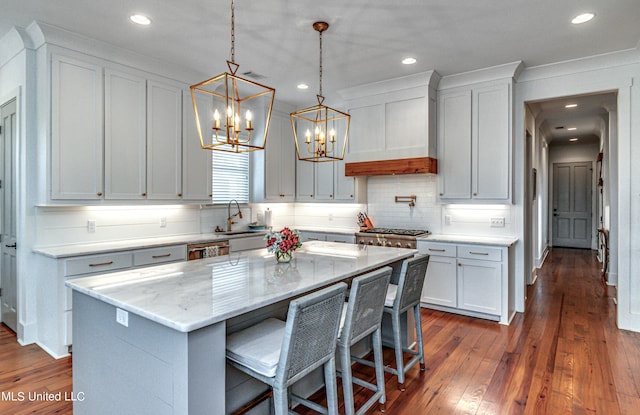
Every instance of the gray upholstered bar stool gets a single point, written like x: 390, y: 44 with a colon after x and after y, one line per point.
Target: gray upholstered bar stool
x: 362, y: 317
x: 401, y: 298
x: 280, y: 353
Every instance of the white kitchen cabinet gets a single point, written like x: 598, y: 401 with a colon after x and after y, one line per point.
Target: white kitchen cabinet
x: 348, y: 238
x: 479, y: 286
x: 164, y: 141
x: 280, y: 161
x: 326, y: 182
x: 470, y: 279
x: 474, y: 143
x: 125, y: 143
x: 196, y: 162
x: 77, y: 129
x: 56, y: 298
x: 440, y: 285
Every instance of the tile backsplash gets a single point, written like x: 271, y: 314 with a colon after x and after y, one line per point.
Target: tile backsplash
x: 385, y: 212
x: 71, y: 225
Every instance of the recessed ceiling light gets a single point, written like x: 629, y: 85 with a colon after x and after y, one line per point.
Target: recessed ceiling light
x: 571, y: 129
x: 409, y: 61
x: 303, y: 86
x: 140, y: 19
x: 583, y: 18
x: 573, y: 139
x: 571, y: 105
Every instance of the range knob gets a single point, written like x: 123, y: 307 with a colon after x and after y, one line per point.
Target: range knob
x: 409, y: 246
x: 398, y: 245
x: 389, y: 244
x: 361, y: 242
x: 370, y: 242
x: 379, y: 243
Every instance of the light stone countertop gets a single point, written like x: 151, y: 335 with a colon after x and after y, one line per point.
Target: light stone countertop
x: 189, y: 295
x: 65, y: 251
x: 470, y: 239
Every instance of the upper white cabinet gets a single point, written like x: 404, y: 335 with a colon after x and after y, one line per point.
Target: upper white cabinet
x: 164, y: 141
x: 475, y: 136
x: 76, y: 129
x: 196, y: 162
x: 125, y: 144
x: 394, y: 119
x: 280, y: 161
x: 117, y: 134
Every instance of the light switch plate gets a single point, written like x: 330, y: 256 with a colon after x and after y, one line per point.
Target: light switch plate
x: 91, y: 225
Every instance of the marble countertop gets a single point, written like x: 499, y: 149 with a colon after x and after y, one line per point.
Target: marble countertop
x: 470, y: 239
x: 189, y: 295
x: 65, y: 251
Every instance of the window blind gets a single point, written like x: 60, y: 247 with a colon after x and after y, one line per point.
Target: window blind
x: 230, y: 177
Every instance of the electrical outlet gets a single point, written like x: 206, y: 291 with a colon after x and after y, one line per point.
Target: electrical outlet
x: 497, y: 222
x: 330, y: 216
x: 163, y: 222
x: 122, y: 317
x: 447, y: 219
x: 91, y: 225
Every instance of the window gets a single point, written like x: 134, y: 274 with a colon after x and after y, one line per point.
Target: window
x: 230, y: 177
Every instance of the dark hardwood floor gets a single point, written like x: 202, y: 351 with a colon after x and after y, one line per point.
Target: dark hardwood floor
x: 565, y: 356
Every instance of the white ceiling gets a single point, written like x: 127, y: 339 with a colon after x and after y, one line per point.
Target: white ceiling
x: 365, y: 43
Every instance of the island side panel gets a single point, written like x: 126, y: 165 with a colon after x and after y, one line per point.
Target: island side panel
x: 143, y: 368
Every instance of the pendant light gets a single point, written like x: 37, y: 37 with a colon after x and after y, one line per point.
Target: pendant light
x: 232, y: 113
x: 320, y: 132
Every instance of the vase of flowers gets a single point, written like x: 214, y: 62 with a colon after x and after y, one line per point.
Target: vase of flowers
x: 283, y: 243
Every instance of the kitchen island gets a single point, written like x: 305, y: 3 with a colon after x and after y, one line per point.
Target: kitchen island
x: 152, y: 340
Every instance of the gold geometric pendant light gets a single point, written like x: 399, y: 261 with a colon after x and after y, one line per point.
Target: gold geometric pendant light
x: 232, y: 113
x: 320, y: 132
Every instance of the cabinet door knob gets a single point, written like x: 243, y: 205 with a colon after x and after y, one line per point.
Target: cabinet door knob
x: 144, y: 194
x: 179, y: 194
x: 99, y: 193
x: 441, y: 194
x: 475, y: 194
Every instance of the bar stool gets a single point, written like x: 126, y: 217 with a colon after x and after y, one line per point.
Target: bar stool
x: 401, y: 298
x: 362, y: 317
x: 280, y: 353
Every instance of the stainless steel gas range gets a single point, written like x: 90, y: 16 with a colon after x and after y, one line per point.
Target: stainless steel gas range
x: 396, y: 238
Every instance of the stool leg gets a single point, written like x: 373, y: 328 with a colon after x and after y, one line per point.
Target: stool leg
x: 379, y: 364
x: 397, y: 345
x: 347, y: 386
x: 280, y: 401
x: 416, y: 314
x: 331, y: 386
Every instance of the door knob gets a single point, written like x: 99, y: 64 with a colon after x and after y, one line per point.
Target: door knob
x: 13, y: 245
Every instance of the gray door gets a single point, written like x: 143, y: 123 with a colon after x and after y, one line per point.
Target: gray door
x: 8, y: 215
x: 572, y: 224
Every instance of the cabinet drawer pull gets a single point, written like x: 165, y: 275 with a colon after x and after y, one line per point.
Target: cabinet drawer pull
x: 160, y: 256
x: 101, y: 264
x: 478, y: 253
x: 437, y: 250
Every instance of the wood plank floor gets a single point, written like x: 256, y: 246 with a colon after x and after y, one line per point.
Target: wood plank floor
x: 565, y: 356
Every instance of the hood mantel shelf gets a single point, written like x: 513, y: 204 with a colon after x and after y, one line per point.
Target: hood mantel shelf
x: 388, y: 167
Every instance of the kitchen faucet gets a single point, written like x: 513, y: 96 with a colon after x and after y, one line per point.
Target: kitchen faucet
x: 230, y: 216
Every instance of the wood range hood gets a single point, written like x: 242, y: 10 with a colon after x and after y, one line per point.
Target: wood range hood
x: 390, y: 167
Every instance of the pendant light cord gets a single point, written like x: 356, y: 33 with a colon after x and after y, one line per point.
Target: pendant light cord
x: 233, y: 31
x: 321, y: 62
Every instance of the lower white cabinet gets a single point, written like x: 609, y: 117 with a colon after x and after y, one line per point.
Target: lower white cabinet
x: 469, y: 279
x: 348, y: 238
x: 56, y: 298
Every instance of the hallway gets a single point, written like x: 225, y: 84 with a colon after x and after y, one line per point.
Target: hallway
x: 565, y: 357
